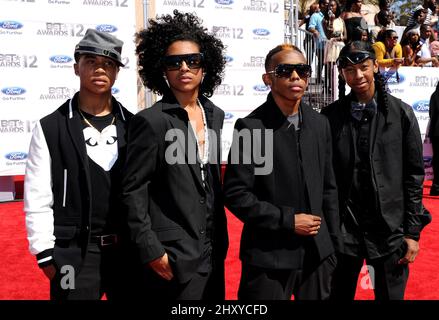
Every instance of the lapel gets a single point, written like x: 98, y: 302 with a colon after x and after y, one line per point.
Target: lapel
x: 272, y: 117
x: 75, y: 130
x: 378, y: 124
x: 309, y: 146
x: 214, y: 124
x: 180, y: 121
x: 120, y: 123
x: 346, y: 118
x: 307, y: 136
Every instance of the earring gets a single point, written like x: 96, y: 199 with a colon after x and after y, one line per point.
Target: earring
x: 166, y: 79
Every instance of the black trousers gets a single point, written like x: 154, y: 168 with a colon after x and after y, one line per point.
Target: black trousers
x: 104, y: 271
x: 206, y: 286
x: 313, y: 282
x: 435, y: 163
x: 389, y: 279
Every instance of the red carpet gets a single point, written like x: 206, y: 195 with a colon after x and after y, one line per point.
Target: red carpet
x: 20, y: 277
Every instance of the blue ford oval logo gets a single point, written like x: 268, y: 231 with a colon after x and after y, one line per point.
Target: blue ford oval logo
x: 106, y: 28
x: 393, y: 78
x: 115, y: 90
x: 260, y: 87
x: 16, y: 156
x: 421, y: 106
x: 11, y: 25
x: 60, y: 59
x: 13, y: 91
x: 228, y: 59
x: 224, y: 2
x: 261, y: 32
x: 228, y: 116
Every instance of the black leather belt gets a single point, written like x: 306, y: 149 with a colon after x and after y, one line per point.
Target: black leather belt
x: 105, y: 240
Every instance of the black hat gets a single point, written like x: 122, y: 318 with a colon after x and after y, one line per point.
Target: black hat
x: 100, y: 44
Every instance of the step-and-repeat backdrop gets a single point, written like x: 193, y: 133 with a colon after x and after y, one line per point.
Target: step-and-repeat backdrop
x: 249, y: 29
x: 37, y: 41
x: 415, y: 85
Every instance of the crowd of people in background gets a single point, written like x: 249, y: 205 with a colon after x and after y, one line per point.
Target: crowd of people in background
x: 334, y: 23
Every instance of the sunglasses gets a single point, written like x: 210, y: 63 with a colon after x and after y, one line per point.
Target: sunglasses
x: 354, y: 58
x: 174, y: 62
x: 285, y: 70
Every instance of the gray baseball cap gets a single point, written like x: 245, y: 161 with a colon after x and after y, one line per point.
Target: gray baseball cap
x: 100, y: 44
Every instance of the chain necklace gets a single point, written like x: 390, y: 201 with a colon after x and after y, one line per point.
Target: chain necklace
x: 205, y: 149
x: 89, y: 123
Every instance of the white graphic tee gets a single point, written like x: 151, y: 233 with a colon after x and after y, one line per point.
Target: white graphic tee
x: 102, y: 146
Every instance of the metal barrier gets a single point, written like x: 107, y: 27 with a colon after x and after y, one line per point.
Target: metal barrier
x: 322, y: 88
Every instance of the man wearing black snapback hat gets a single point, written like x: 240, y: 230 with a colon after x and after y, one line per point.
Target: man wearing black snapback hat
x: 378, y: 165
x: 73, y: 175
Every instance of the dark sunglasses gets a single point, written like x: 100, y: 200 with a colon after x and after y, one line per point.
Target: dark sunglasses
x: 354, y: 58
x: 285, y: 70
x: 174, y: 62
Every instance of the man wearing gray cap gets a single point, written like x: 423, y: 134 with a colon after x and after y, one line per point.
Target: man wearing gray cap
x: 73, y: 173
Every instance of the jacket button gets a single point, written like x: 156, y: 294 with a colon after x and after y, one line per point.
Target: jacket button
x: 203, y: 200
x: 202, y: 231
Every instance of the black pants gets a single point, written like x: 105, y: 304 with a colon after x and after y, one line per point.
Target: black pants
x: 390, y: 278
x: 313, y: 282
x: 206, y: 286
x: 104, y: 271
x: 435, y: 163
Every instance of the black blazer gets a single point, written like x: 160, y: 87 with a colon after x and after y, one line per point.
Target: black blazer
x: 166, y: 202
x: 396, y: 161
x: 263, y: 202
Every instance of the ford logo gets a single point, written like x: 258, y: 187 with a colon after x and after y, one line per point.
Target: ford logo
x: 106, y: 28
x: 16, y: 156
x: 260, y: 87
x: 224, y: 2
x: 261, y: 32
x: 60, y: 59
x: 421, y: 106
x: 228, y: 59
x: 115, y: 90
x: 393, y: 79
x: 10, y: 25
x: 13, y: 91
x: 228, y: 116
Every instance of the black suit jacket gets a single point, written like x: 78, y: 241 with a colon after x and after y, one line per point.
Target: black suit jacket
x: 263, y: 202
x: 166, y: 201
x: 396, y: 161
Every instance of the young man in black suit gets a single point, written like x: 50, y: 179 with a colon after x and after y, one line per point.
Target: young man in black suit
x: 379, y: 169
x: 288, y: 203
x: 172, y: 186
x: 73, y: 180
